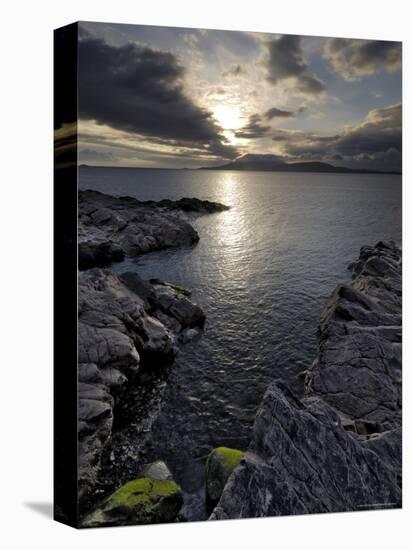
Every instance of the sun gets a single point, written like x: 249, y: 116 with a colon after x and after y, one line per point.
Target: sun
x: 229, y: 118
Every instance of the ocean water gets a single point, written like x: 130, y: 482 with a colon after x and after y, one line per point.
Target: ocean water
x: 262, y: 272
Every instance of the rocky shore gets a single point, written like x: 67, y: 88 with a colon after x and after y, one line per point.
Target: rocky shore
x: 110, y: 228
x: 128, y: 328
x: 338, y: 445
x: 328, y: 441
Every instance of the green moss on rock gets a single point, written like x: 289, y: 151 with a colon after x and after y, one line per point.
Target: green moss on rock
x: 230, y: 457
x: 220, y: 464
x: 141, y: 500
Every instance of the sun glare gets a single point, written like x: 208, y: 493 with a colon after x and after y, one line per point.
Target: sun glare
x: 228, y: 117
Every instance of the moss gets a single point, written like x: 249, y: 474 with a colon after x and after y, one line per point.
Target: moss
x: 141, y: 493
x: 181, y: 292
x: 230, y: 457
x: 142, y: 500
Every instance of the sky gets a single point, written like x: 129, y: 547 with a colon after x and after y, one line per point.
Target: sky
x: 185, y: 98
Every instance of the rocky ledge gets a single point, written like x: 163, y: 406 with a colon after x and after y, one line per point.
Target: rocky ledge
x: 339, y: 446
x: 126, y: 326
x: 110, y: 228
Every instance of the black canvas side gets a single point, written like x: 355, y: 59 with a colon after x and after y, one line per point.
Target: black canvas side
x: 65, y: 275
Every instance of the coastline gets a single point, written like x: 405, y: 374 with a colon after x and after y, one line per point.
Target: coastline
x: 159, y: 304
x: 130, y: 329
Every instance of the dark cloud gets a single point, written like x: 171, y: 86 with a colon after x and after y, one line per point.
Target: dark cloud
x: 254, y: 129
x: 274, y: 112
x: 378, y: 138
x: 140, y: 90
x: 300, y: 136
x: 356, y: 58
x: 286, y: 61
x: 234, y: 70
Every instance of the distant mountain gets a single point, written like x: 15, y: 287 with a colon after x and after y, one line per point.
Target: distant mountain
x: 273, y: 163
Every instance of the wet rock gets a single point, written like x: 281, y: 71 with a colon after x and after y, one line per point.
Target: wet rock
x: 220, y: 464
x: 172, y: 301
x: 111, y: 227
x: 339, y: 447
x: 188, y: 335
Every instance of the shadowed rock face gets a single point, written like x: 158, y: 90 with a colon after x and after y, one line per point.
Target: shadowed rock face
x: 359, y: 365
x: 110, y: 228
x: 339, y: 447
x: 124, y: 326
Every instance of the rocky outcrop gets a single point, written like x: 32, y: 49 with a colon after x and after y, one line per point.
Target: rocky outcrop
x: 339, y: 447
x: 154, y: 497
x: 111, y: 227
x: 125, y: 325
x: 359, y: 366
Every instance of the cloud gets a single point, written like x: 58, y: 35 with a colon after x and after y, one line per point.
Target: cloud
x: 274, y: 112
x: 141, y: 90
x: 234, y: 70
x: 377, y: 138
x: 254, y: 129
x: 286, y: 62
x: 353, y: 59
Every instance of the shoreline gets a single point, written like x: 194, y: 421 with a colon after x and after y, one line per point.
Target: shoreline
x: 130, y: 329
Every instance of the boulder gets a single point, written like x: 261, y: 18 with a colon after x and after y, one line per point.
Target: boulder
x: 173, y: 301
x: 220, y: 464
x: 158, y: 471
x: 140, y: 501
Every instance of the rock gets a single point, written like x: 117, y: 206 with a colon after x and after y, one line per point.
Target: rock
x: 118, y: 337
x: 158, y: 471
x: 172, y: 301
x: 301, y: 461
x: 220, y: 464
x: 95, y: 253
x: 188, y: 335
x: 139, y: 286
x: 339, y: 447
x: 358, y: 368
x: 141, y: 501
x: 111, y: 227
x: 195, y: 205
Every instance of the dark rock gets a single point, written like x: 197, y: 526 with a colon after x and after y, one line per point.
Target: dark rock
x: 302, y: 461
x: 358, y: 368
x: 98, y: 254
x: 119, y: 335
x: 174, y: 303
